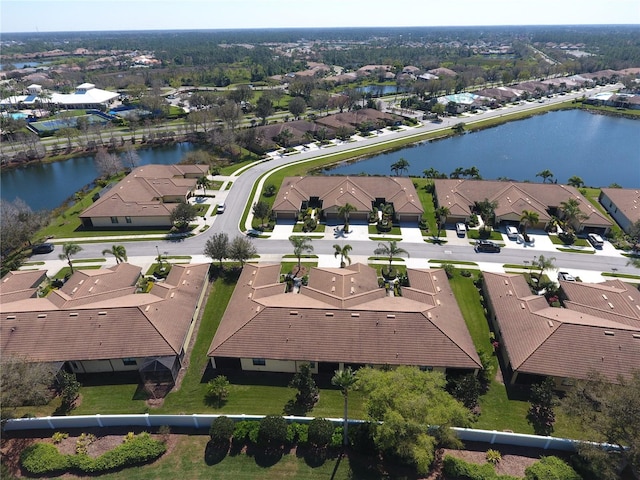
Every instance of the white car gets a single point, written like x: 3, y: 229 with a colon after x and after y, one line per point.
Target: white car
x: 221, y: 208
x: 512, y: 232
x: 461, y: 229
x: 566, y: 277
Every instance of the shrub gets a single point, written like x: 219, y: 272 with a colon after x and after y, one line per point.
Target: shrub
x: 221, y: 430
x: 298, y: 433
x: 550, y: 468
x: 361, y: 437
x: 320, y: 432
x: 457, y: 468
x: 83, y: 441
x: 42, y: 458
x: 272, y: 431
x: 58, y: 437
x: 493, y: 456
x: 246, y: 431
x: 465, y: 273
x: 336, y: 438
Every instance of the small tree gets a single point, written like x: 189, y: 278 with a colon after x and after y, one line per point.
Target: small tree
x: 272, y: 432
x: 344, y: 211
x: 545, y: 174
x: 118, y: 251
x: 441, y: 216
x: 69, y: 250
x: 320, y: 432
x: 308, y: 392
x: 301, y: 245
x: 24, y: 383
x: 69, y: 389
x: 241, y: 249
x: 261, y: 210
x: 270, y: 190
x: 218, y: 390
x: 182, y: 215
x: 221, y: 430
x: 390, y: 250
x: 543, y: 401
x: 345, y: 380
x: 217, y: 247
x: 343, y: 251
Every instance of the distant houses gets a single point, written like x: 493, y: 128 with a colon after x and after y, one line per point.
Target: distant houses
x: 86, y: 96
x: 623, y: 204
x: 144, y: 198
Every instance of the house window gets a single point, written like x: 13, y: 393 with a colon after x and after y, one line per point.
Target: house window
x: 127, y: 219
x: 312, y: 365
x: 129, y: 361
x: 426, y: 369
x: 114, y: 219
x: 259, y: 362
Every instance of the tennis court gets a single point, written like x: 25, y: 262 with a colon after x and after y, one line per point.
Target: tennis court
x: 53, y: 124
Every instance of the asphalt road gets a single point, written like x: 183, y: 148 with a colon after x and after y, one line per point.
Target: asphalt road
x: 238, y: 196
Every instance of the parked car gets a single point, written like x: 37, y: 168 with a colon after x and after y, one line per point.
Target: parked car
x: 595, y: 240
x: 512, y: 232
x: 487, y: 246
x: 42, y: 248
x: 566, y: 276
x: 221, y: 208
x: 461, y: 229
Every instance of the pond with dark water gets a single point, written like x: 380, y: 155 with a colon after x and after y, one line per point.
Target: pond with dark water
x: 600, y: 149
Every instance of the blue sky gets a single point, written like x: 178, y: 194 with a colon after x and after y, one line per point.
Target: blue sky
x: 99, y: 15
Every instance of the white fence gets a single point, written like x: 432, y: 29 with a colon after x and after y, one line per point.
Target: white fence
x: 201, y: 421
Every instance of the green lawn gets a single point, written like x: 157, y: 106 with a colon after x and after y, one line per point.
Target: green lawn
x: 475, y: 235
x: 373, y: 230
x: 579, y: 242
x: 187, y: 461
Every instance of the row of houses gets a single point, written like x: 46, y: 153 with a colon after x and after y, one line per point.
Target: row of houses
x: 147, y: 196
x: 97, y: 323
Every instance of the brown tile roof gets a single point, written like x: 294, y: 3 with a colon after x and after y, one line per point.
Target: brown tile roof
x: 144, y: 190
x: 588, y: 335
x: 343, y: 316
x: 512, y: 197
x: 627, y: 200
x: 20, y: 285
x: 120, y: 326
x: 335, y: 191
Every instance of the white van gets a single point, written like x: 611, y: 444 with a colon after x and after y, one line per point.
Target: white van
x: 595, y: 240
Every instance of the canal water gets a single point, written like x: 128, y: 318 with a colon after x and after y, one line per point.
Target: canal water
x: 600, y: 149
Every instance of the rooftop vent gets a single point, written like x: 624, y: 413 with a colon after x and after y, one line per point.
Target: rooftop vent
x: 609, y: 333
x: 550, y: 323
x: 328, y: 314
x: 604, y: 296
x: 437, y: 289
x: 73, y: 314
x: 429, y: 315
x: 506, y: 282
x: 147, y: 308
x: 172, y: 294
x: 352, y: 291
x: 438, y: 302
x: 11, y: 317
x: 522, y: 305
x: 42, y: 315
x: 355, y: 314
x: 636, y: 335
x: 333, y: 288
x: 102, y: 313
x: 391, y: 316
x: 293, y: 312
x: 610, y: 305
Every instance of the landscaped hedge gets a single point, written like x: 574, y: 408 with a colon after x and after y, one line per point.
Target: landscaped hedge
x: 43, y: 458
x: 459, y: 469
x: 551, y: 468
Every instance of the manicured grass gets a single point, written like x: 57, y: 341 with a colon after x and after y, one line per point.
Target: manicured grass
x: 475, y: 235
x: 621, y: 275
x: 289, y: 267
x: 90, y: 260
x: 454, y: 262
x: 64, y: 271
x: 579, y: 242
x: 373, y: 230
x: 426, y: 199
x: 575, y: 250
x: 385, y: 239
x: 187, y: 461
x: 320, y: 227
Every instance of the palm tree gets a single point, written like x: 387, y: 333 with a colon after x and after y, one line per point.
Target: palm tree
x: 204, y: 183
x: 457, y: 173
x: 343, y: 252
x: 527, y: 219
x: 345, y: 381
x: 400, y: 166
x: 300, y: 244
x: 441, y: 216
x: 487, y: 210
x: 545, y: 174
x: 572, y: 214
x: 117, y: 251
x: 543, y: 263
x: 576, y: 182
x: 391, y: 250
x: 69, y: 249
x: 344, y: 212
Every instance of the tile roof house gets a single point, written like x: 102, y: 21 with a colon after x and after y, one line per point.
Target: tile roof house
x: 598, y: 330
x: 331, y: 192
x: 144, y: 198
x: 98, y: 323
x: 623, y: 204
x: 459, y: 196
x: 341, y: 318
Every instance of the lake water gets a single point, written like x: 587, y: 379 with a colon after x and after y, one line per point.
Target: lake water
x: 48, y: 185
x: 600, y: 149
